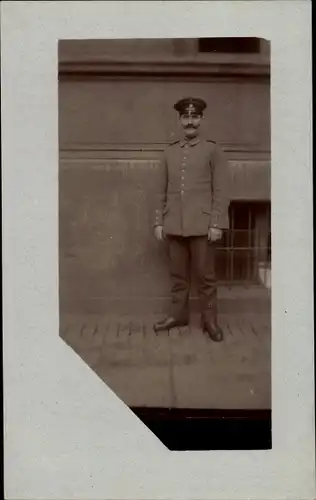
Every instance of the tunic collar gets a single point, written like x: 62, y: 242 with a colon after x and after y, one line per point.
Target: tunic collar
x: 190, y: 142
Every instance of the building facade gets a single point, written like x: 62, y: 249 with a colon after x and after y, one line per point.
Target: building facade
x: 115, y: 118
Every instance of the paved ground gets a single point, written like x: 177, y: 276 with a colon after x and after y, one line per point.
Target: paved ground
x: 181, y: 368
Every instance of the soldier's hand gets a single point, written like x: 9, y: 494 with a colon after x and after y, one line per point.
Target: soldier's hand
x: 214, y: 234
x: 159, y: 233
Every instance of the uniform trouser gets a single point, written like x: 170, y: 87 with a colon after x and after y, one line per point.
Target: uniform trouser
x: 185, y: 253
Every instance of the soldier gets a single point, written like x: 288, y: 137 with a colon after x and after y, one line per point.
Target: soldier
x: 191, y: 213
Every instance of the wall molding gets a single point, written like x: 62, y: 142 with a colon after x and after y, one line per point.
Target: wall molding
x: 165, y: 68
x: 249, y: 179
x: 147, y: 150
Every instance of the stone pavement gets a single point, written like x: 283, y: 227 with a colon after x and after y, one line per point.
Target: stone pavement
x: 181, y: 368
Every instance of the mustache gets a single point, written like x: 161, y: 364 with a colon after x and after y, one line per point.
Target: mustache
x: 190, y: 126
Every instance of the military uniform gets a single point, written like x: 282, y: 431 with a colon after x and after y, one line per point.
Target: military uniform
x: 192, y: 196
x: 192, y: 188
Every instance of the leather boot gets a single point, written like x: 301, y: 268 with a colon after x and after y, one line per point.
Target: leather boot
x: 168, y: 323
x: 210, y: 325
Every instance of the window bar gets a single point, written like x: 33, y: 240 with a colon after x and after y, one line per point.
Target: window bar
x: 256, y: 260
x: 267, y: 246
x: 231, y: 245
x: 248, y: 276
x: 269, y: 265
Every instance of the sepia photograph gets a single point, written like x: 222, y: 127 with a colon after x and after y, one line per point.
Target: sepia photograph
x: 165, y: 223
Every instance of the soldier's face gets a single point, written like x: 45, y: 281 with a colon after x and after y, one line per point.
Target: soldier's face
x: 190, y: 123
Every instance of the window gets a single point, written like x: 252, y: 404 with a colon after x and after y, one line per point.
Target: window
x: 244, y: 254
x: 229, y: 45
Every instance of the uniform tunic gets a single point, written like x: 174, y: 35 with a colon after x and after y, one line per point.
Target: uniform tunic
x: 192, y: 189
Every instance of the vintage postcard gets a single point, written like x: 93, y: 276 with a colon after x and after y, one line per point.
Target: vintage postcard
x: 158, y: 298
